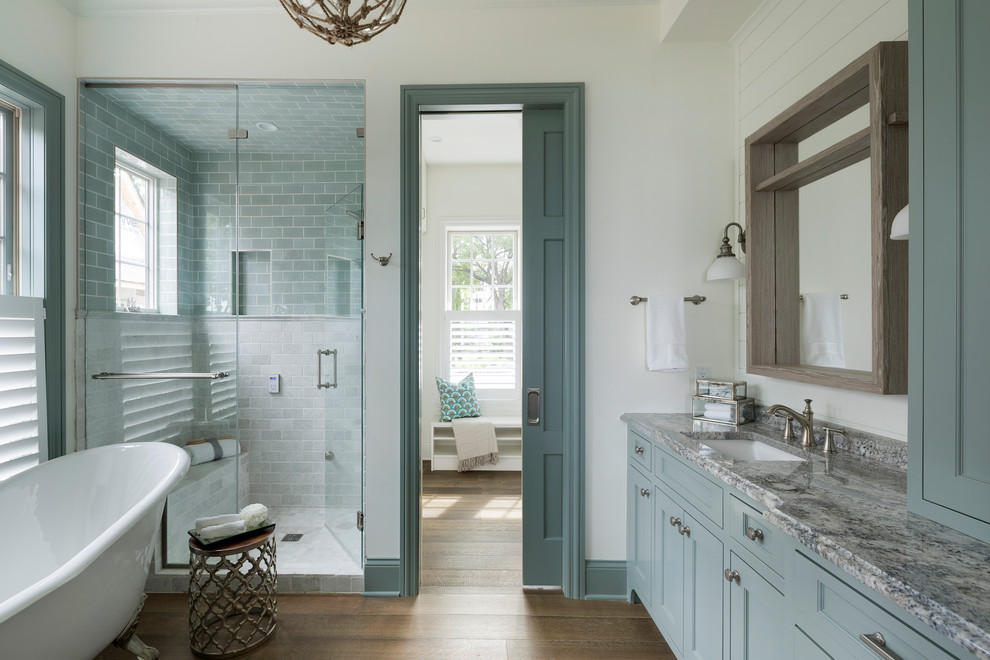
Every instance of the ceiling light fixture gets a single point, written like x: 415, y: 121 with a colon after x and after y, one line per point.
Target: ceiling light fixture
x: 267, y: 126
x: 337, y: 23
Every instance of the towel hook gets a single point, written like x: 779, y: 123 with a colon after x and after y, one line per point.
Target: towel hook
x: 382, y: 260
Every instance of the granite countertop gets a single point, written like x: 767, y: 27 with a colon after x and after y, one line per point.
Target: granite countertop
x: 852, y: 510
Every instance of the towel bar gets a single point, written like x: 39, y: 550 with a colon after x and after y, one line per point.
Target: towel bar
x: 162, y: 375
x: 697, y: 300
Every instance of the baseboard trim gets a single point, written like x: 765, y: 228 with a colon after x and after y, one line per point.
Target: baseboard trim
x: 382, y: 577
x: 605, y: 579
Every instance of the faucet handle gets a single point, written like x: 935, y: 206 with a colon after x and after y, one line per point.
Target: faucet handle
x: 829, y: 446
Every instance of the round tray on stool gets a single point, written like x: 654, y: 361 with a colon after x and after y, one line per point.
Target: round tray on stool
x: 232, y: 596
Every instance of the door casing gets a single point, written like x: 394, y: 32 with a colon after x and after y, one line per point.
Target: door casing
x: 569, y: 97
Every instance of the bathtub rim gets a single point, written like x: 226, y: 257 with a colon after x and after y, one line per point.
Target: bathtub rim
x: 88, y: 554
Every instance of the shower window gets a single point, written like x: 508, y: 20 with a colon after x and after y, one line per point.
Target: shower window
x: 9, y: 117
x: 482, y: 316
x: 138, y: 192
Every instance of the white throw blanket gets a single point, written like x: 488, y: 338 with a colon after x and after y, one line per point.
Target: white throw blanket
x: 476, y: 443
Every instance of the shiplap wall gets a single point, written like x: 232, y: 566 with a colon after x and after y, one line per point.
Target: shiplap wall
x: 785, y: 50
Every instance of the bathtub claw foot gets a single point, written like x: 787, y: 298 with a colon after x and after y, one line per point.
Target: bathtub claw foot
x: 141, y: 650
x: 130, y: 641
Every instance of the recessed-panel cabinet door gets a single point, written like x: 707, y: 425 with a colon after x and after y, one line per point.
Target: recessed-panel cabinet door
x: 950, y: 299
x: 640, y: 534
x: 668, y: 570
x: 703, y: 587
x: 759, y: 625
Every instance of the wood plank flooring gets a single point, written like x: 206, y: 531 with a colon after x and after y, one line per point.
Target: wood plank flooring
x: 473, y: 608
x: 472, y: 531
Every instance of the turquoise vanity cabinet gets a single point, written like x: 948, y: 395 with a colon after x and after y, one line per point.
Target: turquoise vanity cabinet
x: 949, y: 473
x: 722, y: 582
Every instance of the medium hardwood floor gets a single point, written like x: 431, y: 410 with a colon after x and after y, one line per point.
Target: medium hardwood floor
x: 471, y: 604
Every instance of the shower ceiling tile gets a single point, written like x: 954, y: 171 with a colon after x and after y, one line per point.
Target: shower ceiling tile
x: 311, y: 117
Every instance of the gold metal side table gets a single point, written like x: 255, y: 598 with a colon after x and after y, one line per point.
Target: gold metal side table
x: 232, y: 596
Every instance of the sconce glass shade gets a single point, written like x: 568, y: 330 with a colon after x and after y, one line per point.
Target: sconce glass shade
x: 726, y: 267
x: 899, y: 227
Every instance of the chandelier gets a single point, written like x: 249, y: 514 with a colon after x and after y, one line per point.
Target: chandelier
x: 335, y: 21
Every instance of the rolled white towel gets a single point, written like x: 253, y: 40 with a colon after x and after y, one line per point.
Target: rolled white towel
x: 212, y: 450
x: 212, y: 521
x: 721, y: 408
x: 254, y: 514
x: 226, y: 529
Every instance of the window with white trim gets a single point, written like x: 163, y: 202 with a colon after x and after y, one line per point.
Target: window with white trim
x: 483, y: 318
x: 9, y: 134
x: 137, y: 195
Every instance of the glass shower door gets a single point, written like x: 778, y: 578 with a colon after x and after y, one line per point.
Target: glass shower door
x: 345, y: 398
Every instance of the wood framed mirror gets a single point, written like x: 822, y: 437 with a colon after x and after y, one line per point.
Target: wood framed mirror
x: 875, y: 88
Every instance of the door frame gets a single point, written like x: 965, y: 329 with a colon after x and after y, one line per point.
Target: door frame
x: 451, y: 98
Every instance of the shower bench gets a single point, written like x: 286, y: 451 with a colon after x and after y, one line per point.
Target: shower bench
x: 508, y: 433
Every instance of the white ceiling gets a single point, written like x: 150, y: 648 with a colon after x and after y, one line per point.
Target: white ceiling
x: 472, y: 138
x: 132, y: 7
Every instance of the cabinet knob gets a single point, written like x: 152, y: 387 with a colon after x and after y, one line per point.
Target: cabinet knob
x: 645, y: 492
x: 731, y: 575
x: 675, y: 522
x: 753, y: 534
x: 684, y: 531
x: 638, y: 450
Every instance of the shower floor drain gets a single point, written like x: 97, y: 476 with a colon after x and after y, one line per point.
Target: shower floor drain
x: 291, y: 538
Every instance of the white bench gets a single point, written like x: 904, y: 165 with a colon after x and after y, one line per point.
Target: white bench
x: 508, y: 433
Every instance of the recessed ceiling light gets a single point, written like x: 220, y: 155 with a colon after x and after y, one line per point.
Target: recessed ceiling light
x: 436, y: 138
x: 266, y: 126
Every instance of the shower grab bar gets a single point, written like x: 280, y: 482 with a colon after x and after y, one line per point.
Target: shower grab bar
x: 161, y: 375
x: 320, y: 352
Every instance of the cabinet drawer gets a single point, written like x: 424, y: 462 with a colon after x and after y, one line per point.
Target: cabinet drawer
x: 699, y: 492
x: 836, y: 615
x: 641, y: 451
x: 747, y: 525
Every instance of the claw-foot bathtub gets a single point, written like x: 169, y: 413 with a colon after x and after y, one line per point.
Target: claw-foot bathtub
x: 78, y: 537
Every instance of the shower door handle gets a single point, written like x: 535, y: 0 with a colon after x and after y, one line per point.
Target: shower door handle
x: 320, y: 352
x: 533, y: 406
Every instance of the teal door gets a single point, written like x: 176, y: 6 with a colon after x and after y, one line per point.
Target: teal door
x: 543, y: 251
x: 950, y: 300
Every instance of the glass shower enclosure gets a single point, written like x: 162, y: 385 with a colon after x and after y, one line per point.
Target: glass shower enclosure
x: 221, y: 299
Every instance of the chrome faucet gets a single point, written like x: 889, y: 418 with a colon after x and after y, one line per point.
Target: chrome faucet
x: 805, y: 420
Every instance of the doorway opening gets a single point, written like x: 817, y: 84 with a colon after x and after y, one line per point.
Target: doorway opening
x: 471, y: 319
x: 553, y: 371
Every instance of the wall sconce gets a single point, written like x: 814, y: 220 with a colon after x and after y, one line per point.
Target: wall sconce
x: 899, y: 227
x: 726, y: 266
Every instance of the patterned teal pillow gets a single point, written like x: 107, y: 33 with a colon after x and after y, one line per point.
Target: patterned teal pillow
x: 457, y: 399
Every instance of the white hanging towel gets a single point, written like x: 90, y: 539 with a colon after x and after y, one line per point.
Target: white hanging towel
x: 821, y: 327
x: 666, y: 346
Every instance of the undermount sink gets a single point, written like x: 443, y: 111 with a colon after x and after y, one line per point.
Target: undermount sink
x: 742, y: 446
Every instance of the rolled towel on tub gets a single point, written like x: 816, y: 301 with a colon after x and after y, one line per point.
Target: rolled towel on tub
x: 212, y: 449
x: 226, y: 529
x: 212, y: 521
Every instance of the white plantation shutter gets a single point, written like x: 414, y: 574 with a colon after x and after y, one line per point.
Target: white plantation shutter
x: 23, y: 428
x: 487, y: 347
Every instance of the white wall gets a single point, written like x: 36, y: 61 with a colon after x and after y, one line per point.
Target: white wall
x: 457, y: 193
x: 39, y: 39
x: 659, y: 186
x: 786, y: 49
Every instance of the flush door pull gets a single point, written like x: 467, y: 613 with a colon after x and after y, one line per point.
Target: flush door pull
x: 876, y: 643
x: 320, y: 352
x: 533, y: 406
